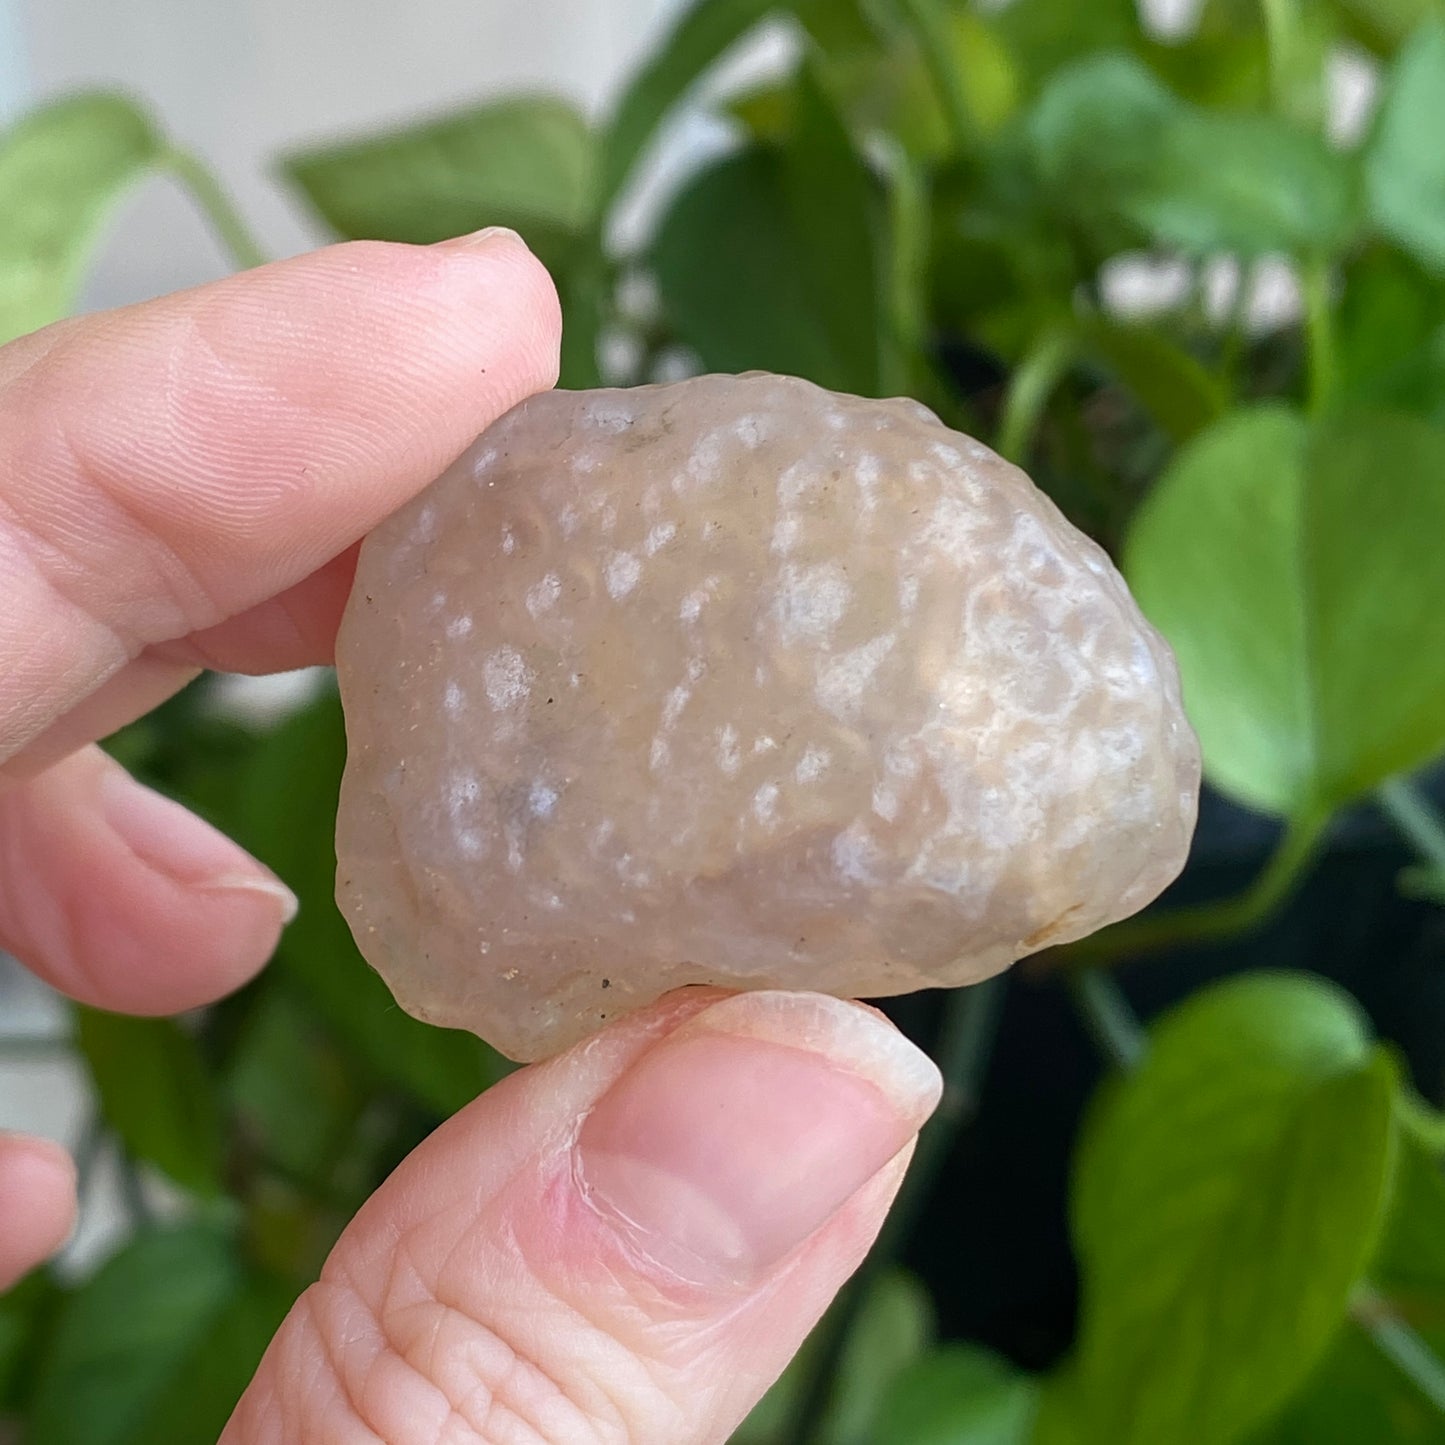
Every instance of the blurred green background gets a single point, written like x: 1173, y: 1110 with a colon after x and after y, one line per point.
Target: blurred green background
x: 1186, y: 1183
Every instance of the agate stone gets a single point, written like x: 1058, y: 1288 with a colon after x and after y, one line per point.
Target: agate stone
x: 738, y: 681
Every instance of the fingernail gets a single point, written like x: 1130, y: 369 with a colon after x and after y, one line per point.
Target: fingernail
x: 487, y: 236
x: 267, y: 885
x: 738, y: 1136
x: 172, y: 840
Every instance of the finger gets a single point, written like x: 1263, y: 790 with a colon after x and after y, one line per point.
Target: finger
x: 296, y: 629
x: 137, y: 688
x: 121, y: 898
x: 170, y: 466
x: 627, y: 1243
x: 37, y: 1203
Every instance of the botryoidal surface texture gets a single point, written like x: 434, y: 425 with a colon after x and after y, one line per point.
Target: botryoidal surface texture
x: 739, y: 681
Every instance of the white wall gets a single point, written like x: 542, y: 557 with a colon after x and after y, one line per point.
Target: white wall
x: 240, y: 80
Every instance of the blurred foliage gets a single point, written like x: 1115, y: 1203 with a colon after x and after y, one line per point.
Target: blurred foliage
x: 930, y: 199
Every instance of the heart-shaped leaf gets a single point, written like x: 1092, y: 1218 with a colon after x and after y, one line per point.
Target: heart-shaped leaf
x: 1126, y: 158
x: 524, y: 163
x: 1227, y: 1198
x: 1296, y: 571
x: 961, y: 1395
x: 62, y: 169
x: 154, y: 1090
x: 1405, y: 160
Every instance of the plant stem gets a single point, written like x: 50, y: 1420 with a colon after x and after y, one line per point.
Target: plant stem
x: 1029, y: 389
x: 1417, y: 821
x: 1401, y: 1345
x: 1110, y: 1018
x: 1209, y: 922
x: 1236, y: 331
x: 901, y: 343
x: 970, y: 1026
x: 1421, y: 1121
x: 929, y: 21
x: 219, y: 209
x: 1319, y: 333
x: 132, y: 1190
x: 1279, y: 24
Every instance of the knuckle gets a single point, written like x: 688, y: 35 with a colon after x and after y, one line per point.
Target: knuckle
x: 409, y: 1368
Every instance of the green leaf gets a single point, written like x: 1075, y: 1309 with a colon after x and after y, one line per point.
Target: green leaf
x: 293, y: 1099
x: 841, y: 27
x: 707, y: 29
x: 795, y: 281
x: 892, y: 1329
x: 1358, y: 1394
x: 906, y: 290
x: 155, y: 1092
x: 1252, y: 184
x: 1174, y: 388
x: 62, y: 169
x: 27, y: 1311
x: 127, y: 1337
x: 1214, y: 558
x: 766, y: 112
x: 584, y: 289
x: 1229, y: 70
x: 987, y: 81
x: 1358, y: 1397
x: 1043, y: 36
x: 1095, y: 136
x: 961, y: 1395
x: 1390, y: 335
x: 1295, y: 570
x: 1410, y: 1266
x: 891, y: 91
x: 1222, y: 61
x: 198, y: 1401
x: 1227, y: 1198
x: 525, y: 163
x: 1120, y: 154
x: 1405, y: 160
x: 1424, y: 882
x: 749, y: 308
x: 1381, y: 25
x: 290, y: 792
x: 830, y: 198
x: 897, y: 90
x: 1002, y: 265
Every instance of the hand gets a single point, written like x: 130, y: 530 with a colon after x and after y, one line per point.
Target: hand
x: 624, y: 1244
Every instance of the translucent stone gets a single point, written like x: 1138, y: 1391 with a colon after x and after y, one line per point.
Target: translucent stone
x: 737, y: 681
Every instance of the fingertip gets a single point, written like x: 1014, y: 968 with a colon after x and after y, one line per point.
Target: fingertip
x: 46, y: 1159
x: 488, y: 294
x: 528, y: 295
x: 37, y: 1202
x: 123, y: 899
x: 193, y: 456
x: 736, y: 1138
x: 631, y: 1238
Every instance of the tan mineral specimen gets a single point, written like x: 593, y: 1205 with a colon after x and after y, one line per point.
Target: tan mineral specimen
x: 737, y: 681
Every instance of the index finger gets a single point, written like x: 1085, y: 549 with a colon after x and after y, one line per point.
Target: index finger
x: 171, y: 465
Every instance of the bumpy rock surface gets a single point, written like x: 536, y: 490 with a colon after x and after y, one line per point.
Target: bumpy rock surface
x: 738, y: 681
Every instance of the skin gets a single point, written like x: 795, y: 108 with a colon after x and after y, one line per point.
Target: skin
x: 625, y: 1243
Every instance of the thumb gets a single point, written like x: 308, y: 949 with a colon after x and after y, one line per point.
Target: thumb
x: 624, y: 1244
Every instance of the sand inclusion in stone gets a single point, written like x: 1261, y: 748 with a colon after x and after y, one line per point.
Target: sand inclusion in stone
x: 742, y: 682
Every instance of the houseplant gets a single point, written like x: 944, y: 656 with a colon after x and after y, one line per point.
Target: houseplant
x: 934, y: 200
